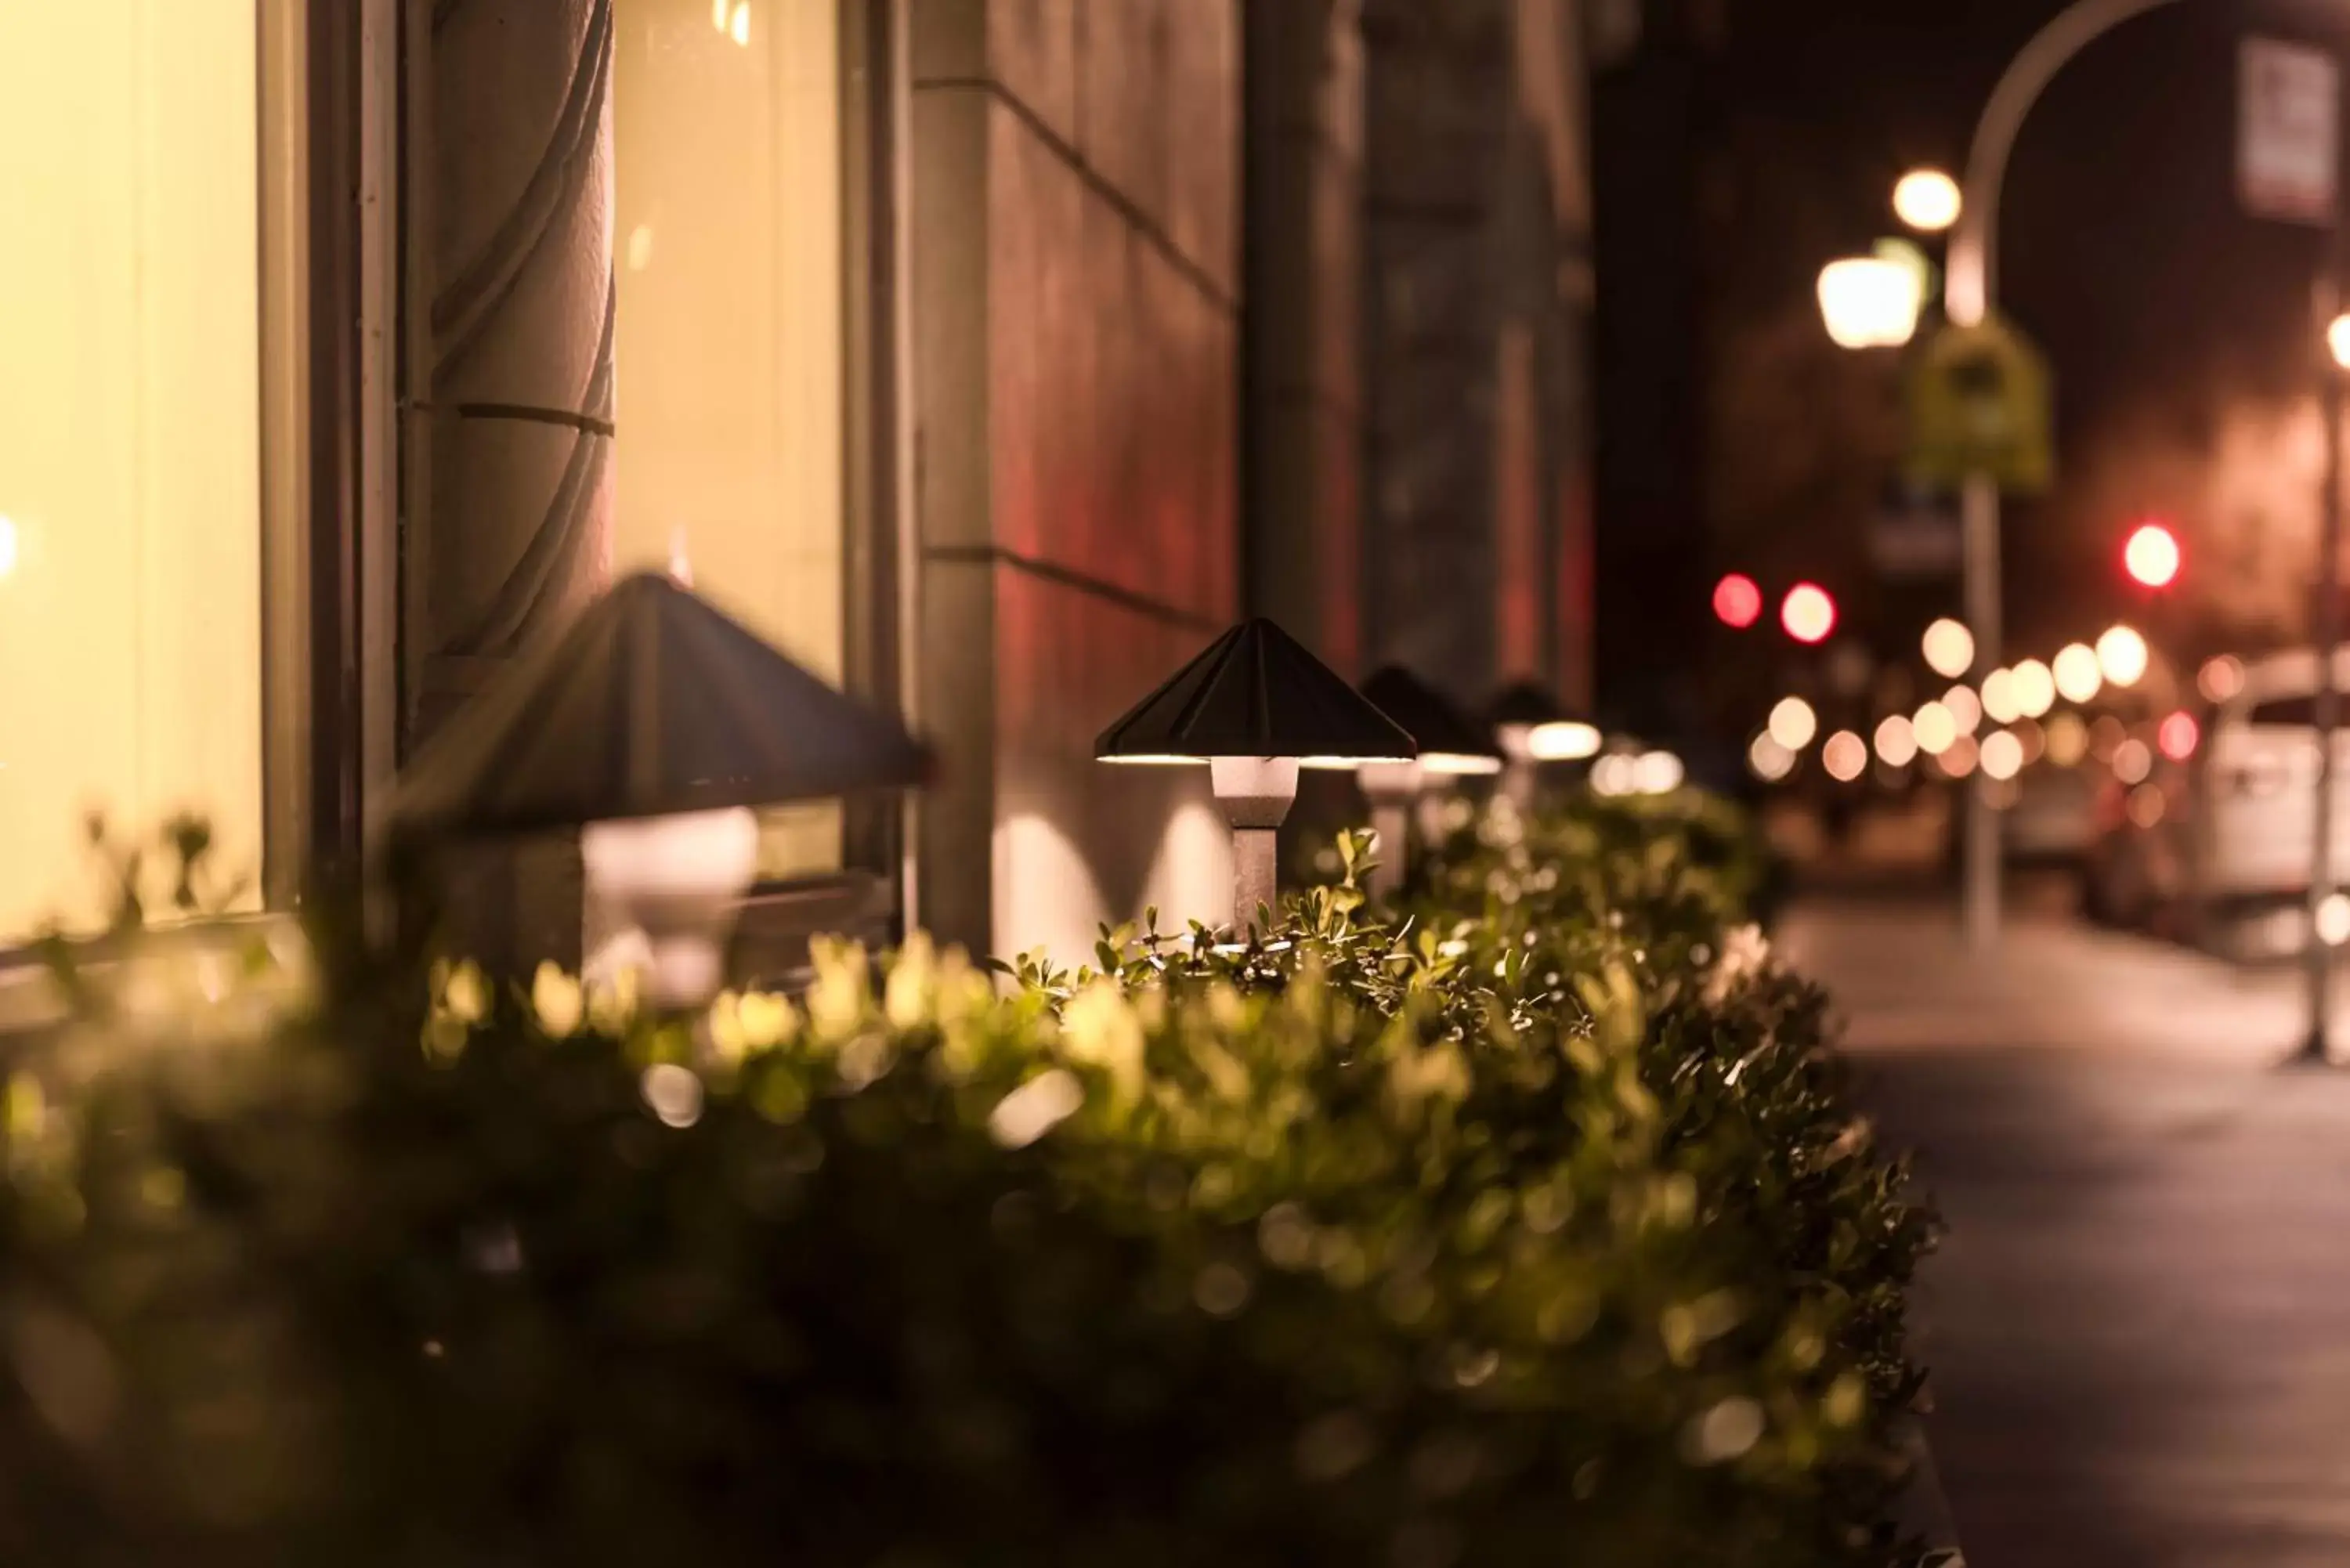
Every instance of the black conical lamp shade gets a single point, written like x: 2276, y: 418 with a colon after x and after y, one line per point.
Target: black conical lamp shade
x: 1441, y: 729
x: 1529, y: 703
x: 1256, y: 691
x: 654, y: 702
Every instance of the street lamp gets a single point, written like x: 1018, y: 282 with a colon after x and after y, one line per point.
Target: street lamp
x: 652, y: 726
x: 1869, y: 302
x: 1451, y: 747
x: 1255, y: 706
x: 1927, y: 199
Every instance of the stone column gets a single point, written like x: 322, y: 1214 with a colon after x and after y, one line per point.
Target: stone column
x: 509, y: 404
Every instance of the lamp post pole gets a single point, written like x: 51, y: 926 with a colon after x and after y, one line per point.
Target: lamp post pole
x: 1970, y: 292
x: 2326, y: 631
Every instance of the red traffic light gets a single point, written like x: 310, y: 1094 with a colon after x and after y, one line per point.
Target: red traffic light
x: 2152, y: 555
x: 2178, y: 736
x: 1808, y: 613
x: 1738, y: 601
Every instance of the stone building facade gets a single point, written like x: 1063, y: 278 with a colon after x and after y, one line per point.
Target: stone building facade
x: 989, y: 356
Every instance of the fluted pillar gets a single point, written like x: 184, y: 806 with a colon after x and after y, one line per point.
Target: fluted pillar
x: 510, y: 394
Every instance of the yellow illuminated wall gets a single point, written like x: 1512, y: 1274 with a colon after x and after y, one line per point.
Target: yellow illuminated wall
x: 729, y: 397
x: 129, y: 437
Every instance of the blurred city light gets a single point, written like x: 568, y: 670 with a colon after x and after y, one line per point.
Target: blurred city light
x: 2003, y: 754
x: 1657, y: 773
x: 2105, y: 737
x: 1934, y: 729
x: 1927, y: 199
x: 1949, y: 648
x: 2133, y: 760
x: 1738, y: 601
x: 1897, y: 741
x: 2177, y: 735
x: 2220, y: 678
x: 1808, y: 613
x: 2068, y: 739
x: 1959, y: 760
x: 1771, y: 761
x: 2078, y: 675
x: 1869, y: 302
x: 2337, y: 340
x: 1793, y: 724
x: 2333, y: 920
x: 1999, y: 703
x: 2122, y: 655
x: 2152, y: 555
x: 1845, y: 756
x: 2033, y: 739
x: 1562, y: 741
x: 1966, y: 709
x: 2033, y: 689
x: 2145, y: 804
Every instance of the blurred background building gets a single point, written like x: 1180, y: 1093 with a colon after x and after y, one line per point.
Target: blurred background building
x: 988, y: 356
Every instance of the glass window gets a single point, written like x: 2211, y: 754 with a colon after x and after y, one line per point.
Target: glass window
x: 129, y: 438
x: 729, y: 348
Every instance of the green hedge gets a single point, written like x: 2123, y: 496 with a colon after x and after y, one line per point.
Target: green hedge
x: 1527, y: 1226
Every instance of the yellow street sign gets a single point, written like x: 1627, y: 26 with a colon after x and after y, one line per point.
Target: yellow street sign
x: 1980, y: 401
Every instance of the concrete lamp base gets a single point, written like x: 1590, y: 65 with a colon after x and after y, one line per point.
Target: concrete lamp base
x: 1256, y: 794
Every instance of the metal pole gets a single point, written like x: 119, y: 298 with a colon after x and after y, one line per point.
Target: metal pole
x: 1980, y: 893
x: 2326, y: 625
x: 1969, y: 295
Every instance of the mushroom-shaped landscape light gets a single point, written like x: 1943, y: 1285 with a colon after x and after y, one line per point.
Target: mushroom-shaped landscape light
x: 653, y: 724
x: 1451, y: 747
x: 1532, y: 728
x: 1255, y: 706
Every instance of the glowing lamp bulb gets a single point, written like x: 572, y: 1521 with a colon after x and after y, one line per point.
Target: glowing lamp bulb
x: 674, y: 885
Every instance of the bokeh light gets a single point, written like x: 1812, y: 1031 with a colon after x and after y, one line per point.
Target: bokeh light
x: 2003, y: 754
x: 1960, y: 758
x: 2177, y: 735
x: 1845, y: 756
x: 2078, y: 675
x: 1966, y: 709
x: 1808, y: 613
x: 1793, y: 724
x: 2152, y: 555
x: 1771, y: 761
x: 1896, y: 743
x: 1738, y: 601
x: 1927, y: 199
x: 2105, y: 737
x: 1999, y: 697
x: 2122, y: 655
x: 2133, y: 760
x: 1948, y: 648
x: 2333, y: 920
x: 2145, y: 804
x: 2220, y: 677
x: 2034, y: 688
x: 2068, y: 739
x: 1934, y: 729
x: 2032, y: 738
x: 1657, y: 773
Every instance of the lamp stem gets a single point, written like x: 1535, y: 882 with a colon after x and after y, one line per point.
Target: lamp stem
x: 1391, y: 821
x: 1254, y: 883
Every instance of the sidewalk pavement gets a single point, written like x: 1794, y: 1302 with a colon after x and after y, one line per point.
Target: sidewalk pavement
x: 2139, y: 1323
